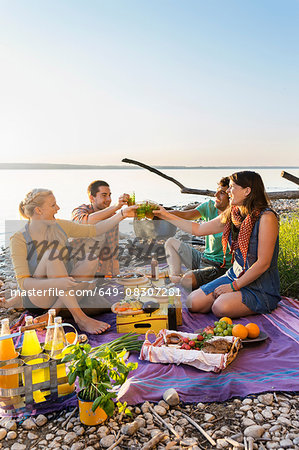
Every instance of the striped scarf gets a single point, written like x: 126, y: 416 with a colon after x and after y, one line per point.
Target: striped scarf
x: 245, y: 227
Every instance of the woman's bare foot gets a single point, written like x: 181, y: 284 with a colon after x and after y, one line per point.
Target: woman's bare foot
x: 13, y: 302
x: 92, y: 326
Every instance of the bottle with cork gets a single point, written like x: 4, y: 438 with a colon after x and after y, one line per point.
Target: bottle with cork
x: 154, y: 268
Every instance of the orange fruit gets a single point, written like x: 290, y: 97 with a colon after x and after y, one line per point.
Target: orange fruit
x: 240, y: 331
x: 226, y: 319
x: 253, y: 330
x: 70, y: 337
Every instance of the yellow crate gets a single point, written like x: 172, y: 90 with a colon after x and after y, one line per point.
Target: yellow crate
x: 141, y: 323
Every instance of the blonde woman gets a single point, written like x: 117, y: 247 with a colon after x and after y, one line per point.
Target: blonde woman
x: 40, y: 256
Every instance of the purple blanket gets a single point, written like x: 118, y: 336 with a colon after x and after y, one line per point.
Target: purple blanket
x: 272, y: 365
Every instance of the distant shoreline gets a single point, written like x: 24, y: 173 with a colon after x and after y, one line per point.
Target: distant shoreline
x: 44, y: 166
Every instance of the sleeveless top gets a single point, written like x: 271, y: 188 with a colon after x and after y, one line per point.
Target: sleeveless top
x: 31, y: 250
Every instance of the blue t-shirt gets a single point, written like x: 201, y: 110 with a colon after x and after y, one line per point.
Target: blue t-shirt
x: 213, y: 250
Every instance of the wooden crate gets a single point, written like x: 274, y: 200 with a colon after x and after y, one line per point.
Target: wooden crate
x: 141, y: 323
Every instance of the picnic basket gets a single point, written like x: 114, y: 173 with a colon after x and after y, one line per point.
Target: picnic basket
x: 158, y: 352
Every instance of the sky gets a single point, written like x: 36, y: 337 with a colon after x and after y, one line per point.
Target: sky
x: 194, y: 82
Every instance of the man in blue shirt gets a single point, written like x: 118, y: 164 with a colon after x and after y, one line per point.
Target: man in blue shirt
x: 205, y: 266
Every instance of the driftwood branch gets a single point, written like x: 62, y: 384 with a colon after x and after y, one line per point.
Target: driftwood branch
x: 207, y: 192
x: 154, y: 441
x: 199, y: 428
x: 290, y: 177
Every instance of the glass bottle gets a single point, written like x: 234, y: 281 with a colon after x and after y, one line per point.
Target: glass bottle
x: 59, y: 343
x: 31, y: 345
x: 50, y: 331
x: 59, y: 339
x: 154, y: 267
x: 7, y: 352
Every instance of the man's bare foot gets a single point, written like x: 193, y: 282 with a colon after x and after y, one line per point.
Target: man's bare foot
x: 42, y: 318
x: 175, y: 278
x: 92, y: 326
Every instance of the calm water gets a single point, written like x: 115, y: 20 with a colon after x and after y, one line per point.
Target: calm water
x: 69, y: 186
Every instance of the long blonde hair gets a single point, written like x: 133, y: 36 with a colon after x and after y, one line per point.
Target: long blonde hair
x: 34, y: 198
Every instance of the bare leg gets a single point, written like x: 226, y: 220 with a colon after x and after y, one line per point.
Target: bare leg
x: 230, y: 305
x: 198, y: 301
x: 173, y: 259
x: 189, y: 281
x: 53, y: 269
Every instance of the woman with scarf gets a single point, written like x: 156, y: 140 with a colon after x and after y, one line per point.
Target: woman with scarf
x: 250, y: 227
x: 43, y: 262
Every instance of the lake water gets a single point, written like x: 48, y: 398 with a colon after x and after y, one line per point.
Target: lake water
x: 69, y: 186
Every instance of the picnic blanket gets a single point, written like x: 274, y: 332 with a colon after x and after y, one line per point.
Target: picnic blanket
x: 272, y: 365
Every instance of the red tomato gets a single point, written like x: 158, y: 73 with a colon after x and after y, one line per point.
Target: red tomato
x: 192, y: 344
x: 187, y: 347
x: 200, y: 337
x: 186, y: 340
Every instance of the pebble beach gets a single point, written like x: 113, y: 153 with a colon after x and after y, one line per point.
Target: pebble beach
x: 265, y: 421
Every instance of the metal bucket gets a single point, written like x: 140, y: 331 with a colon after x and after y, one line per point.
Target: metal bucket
x: 153, y: 229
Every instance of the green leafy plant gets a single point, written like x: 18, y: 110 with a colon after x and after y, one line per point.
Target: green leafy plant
x: 288, y: 258
x: 101, y: 370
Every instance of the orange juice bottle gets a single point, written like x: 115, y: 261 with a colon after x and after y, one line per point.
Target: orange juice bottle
x: 7, y: 352
x: 59, y: 343
x: 31, y: 345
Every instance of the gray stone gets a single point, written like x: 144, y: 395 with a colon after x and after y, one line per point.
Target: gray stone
x: 164, y: 404
x: 70, y: 437
x: 11, y: 435
x: 275, y: 428
x: 107, y: 441
x: 296, y: 441
x: 137, y: 410
x: 266, y: 399
x: 250, y: 415
x: 44, y: 443
x: 245, y: 408
x: 267, y: 414
x: 258, y: 417
x: 171, y: 397
x: 77, y: 446
x: 255, y: 431
x: 154, y: 432
x: 3, y: 433
x: 32, y: 436
x: 200, y: 406
x: 50, y: 436
x: 11, y: 425
x: 160, y: 410
x: 247, y: 422
x: 145, y: 407
x: 247, y: 401
x: 271, y: 445
x: 41, y: 420
x: 286, y: 443
x: 17, y: 446
x: 222, y: 443
x: 103, y: 431
x: 61, y: 433
x: 208, y: 417
x: 284, y: 421
x: 29, y: 424
x: 79, y: 430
